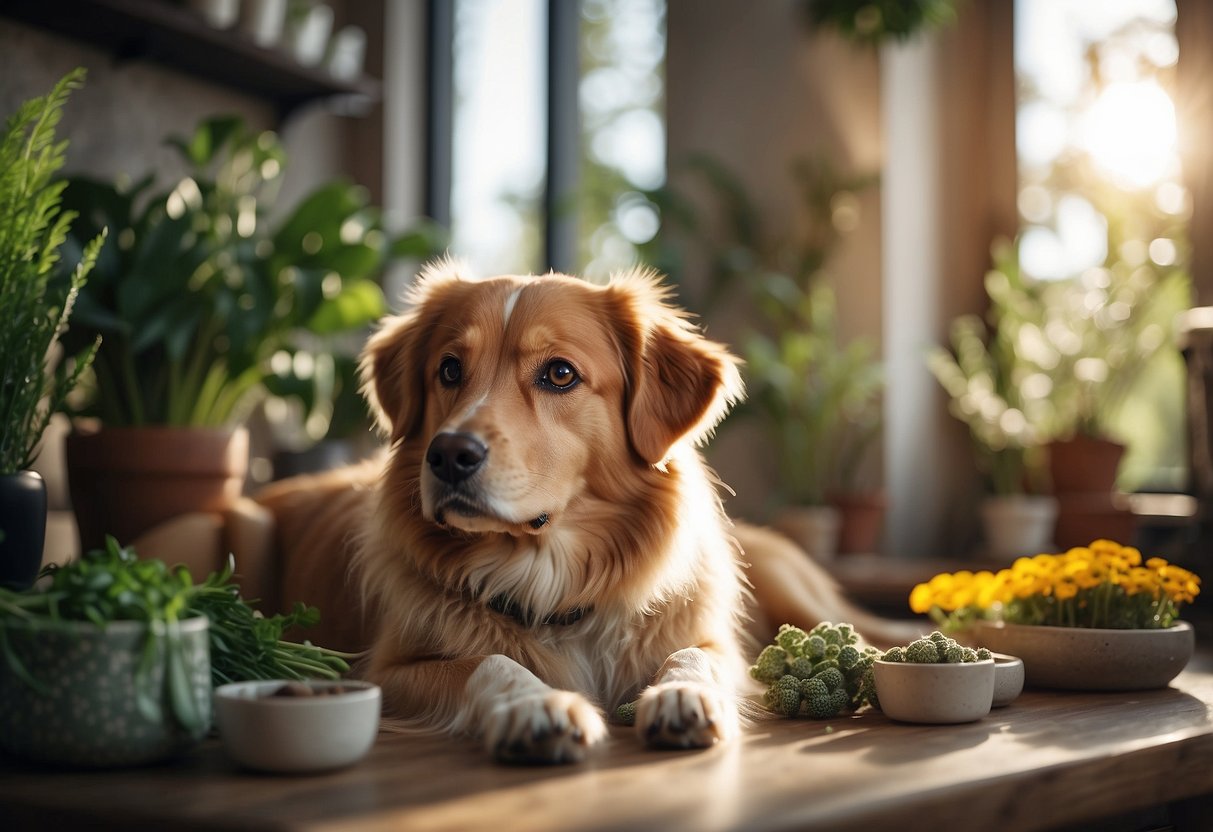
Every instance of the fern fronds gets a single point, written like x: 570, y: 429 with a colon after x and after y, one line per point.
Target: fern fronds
x: 33, y: 228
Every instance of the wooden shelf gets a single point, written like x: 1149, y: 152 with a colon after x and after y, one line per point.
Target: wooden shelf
x: 175, y: 37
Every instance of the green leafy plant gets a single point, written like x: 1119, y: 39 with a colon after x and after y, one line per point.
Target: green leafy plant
x: 198, y: 289
x: 816, y: 395
x: 872, y: 22
x: 33, y: 231
x: 935, y: 648
x: 993, y: 389
x: 114, y: 584
x: 818, y: 674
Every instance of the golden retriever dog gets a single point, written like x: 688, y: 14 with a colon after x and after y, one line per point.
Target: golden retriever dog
x: 542, y: 541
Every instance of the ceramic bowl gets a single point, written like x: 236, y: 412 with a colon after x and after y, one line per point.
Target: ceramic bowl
x: 1083, y: 658
x: 1008, y: 679
x: 85, y: 712
x: 935, y: 693
x: 297, y: 733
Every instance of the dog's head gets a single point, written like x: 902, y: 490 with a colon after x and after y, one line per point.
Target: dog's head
x: 511, y: 399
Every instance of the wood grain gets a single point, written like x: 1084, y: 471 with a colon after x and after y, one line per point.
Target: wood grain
x: 1049, y: 759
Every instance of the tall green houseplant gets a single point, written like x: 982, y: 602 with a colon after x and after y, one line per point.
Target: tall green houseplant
x: 33, y: 229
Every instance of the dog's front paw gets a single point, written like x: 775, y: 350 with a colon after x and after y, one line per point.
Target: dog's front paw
x: 685, y: 715
x: 553, y: 726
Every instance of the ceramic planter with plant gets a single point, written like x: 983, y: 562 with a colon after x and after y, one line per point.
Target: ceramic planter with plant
x: 105, y: 666
x: 110, y: 660
x: 35, y: 311
x: 935, y: 680
x: 202, y: 299
x: 1003, y: 400
x: 1097, y: 617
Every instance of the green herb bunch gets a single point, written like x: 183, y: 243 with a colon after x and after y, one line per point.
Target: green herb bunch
x: 114, y: 584
x: 33, y: 228
x: 935, y: 649
x: 247, y: 645
x: 818, y: 674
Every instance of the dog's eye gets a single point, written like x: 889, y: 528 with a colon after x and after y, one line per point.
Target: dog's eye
x: 450, y: 371
x: 560, y: 375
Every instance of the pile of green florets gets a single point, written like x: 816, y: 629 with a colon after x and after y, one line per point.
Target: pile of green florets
x: 935, y: 649
x: 818, y: 674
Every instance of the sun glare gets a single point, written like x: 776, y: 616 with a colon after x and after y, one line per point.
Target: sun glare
x: 1130, y: 133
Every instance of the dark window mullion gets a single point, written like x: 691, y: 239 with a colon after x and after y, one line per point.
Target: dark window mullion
x: 440, y: 110
x: 563, y: 135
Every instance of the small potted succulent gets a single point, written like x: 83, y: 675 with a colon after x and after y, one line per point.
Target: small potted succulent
x: 935, y: 680
x: 1096, y: 617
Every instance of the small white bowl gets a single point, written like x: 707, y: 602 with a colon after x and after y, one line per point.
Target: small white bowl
x: 297, y: 733
x: 935, y: 693
x: 1008, y: 679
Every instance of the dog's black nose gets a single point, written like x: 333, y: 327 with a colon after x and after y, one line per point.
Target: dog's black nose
x: 453, y: 457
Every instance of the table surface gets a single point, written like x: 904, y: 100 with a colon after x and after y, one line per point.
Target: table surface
x: 1050, y: 758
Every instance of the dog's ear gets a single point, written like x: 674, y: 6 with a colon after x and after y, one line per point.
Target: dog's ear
x: 680, y: 384
x: 392, y: 367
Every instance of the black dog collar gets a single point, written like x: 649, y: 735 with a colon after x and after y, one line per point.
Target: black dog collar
x: 507, y: 606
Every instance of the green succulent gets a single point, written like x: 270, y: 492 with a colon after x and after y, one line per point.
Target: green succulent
x: 818, y: 674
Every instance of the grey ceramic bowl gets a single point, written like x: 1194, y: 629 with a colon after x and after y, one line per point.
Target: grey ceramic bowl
x: 1008, y: 679
x: 297, y: 734
x: 1082, y: 658
x: 935, y: 693
x: 86, y: 712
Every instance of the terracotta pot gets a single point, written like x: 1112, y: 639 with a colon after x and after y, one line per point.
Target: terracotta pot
x: 1084, y: 464
x: 1082, y: 518
x: 124, y: 481
x: 861, y: 516
x: 23, y: 523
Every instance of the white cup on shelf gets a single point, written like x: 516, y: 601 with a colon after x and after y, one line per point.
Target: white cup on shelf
x: 221, y: 14
x: 308, y: 34
x: 346, y: 52
x: 263, y: 21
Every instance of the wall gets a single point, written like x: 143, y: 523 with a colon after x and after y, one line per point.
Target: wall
x: 748, y: 85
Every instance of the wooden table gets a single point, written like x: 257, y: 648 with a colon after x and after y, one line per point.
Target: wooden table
x: 1049, y: 760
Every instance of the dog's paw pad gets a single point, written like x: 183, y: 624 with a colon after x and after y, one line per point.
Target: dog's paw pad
x: 685, y: 715
x: 550, y: 727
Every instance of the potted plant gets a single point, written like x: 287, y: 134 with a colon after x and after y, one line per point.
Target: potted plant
x: 110, y: 659
x: 199, y: 295
x: 816, y: 397
x: 1097, y: 617
x: 33, y: 230
x: 935, y: 680
x: 1004, y: 401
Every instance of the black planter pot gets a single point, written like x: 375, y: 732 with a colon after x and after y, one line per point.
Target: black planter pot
x: 23, y: 523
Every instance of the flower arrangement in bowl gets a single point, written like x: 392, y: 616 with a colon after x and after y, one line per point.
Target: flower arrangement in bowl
x: 1097, y: 617
x: 935, y: 680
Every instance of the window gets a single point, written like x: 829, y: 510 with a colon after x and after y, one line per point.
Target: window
x: 552, y: 113
x: 1103, y: 214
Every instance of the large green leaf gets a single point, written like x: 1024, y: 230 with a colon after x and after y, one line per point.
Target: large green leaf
x: 360, y: 302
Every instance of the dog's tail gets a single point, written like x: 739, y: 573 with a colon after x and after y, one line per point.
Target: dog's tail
x: 789, y: 587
